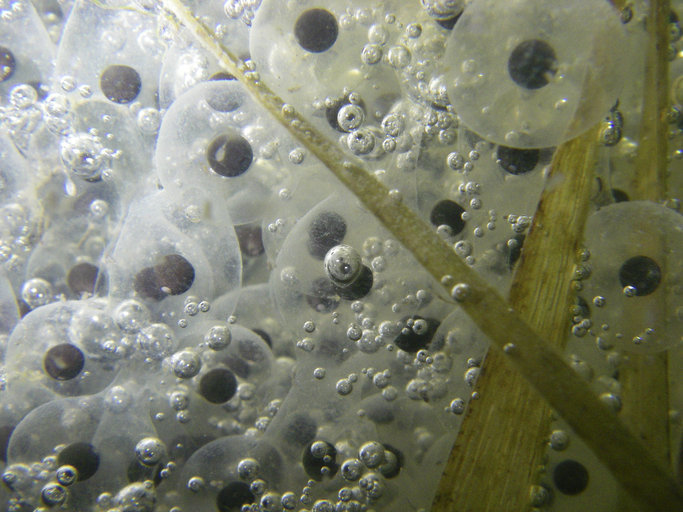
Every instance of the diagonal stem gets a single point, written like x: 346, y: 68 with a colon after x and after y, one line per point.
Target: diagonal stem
x: 544, y: 368
x: 511, y: 452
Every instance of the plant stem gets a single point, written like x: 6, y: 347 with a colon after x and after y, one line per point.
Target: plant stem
x: 542, y: 366
x: 644, y: 378
x: 494, y: 463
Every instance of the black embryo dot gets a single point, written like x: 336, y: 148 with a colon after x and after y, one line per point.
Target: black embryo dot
x: 83, y: 457
x: 120, y: 84
x: 642, y: 273
x: 174, y: 274
x: 316, y: 30
x: 327, y: 230
x: 233, y: 496
x: 82, y: 277
x: 63, y: 362
x: 570, y: 477
x: 531, y: 63
x: 410, y: 341
x: 448, y: 213
x: 218, y: 386
x: 517, y: 161
x: 7, y: 64
x: 359, y: 288
x: 229, y: 155
x: 313, y: 463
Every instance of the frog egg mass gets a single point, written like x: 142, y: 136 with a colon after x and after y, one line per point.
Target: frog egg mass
x: 195, y: 315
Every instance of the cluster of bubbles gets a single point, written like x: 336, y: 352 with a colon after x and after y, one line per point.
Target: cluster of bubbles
x: 195, y: 316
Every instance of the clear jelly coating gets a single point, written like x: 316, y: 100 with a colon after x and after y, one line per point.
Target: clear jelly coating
x: 195, y: 315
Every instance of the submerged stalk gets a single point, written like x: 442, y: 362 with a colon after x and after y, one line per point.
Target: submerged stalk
x: 644, y: 377
x: 543, y: 367
x: 494, y: 463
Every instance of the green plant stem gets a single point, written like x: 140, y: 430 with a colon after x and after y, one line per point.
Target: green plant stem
x: 544, y: 368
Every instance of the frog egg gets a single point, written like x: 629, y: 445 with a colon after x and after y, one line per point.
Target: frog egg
x: 121, y: 58
x: 112, y: 159
x: 329, y: 43
x: 636, y: 256
x: 219, y: 461
x: 343, y: 265
x: 253, y: 307
x: 306, y: 33
x: 65, y: 361
x: 215, y: 137
x: 576, y: 478
x: 69, y: 261
x: 26, y: 51
x: 62, y: 428
x: 280, y: 217
x: 180, y: 237
x: 533, y: 91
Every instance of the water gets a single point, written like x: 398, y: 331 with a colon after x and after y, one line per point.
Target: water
x: 195, y: 315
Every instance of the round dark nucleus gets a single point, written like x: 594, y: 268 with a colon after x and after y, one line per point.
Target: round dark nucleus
x: 410, y: 341
x: 139, y: 473
x: 222, y: 75
x: 238, y: 365
x: 619, y: 195
x: 323, y: 296
x: 7, y: 64
x: 229, y: 155
x: 585, y: 311
x: 40, y: 88
x: 218, y: 385
x: 380, y: 412
x: 5, y: 434
x: 316, y: 30
x: 335, y: 349
x: 570, y: 477
x: 223, y: 101
x: 449, y: 23
x: 332, y: 112
x: 83, y: 457
x: 642, y: 273
x: 300, y: 430
x: 449, y: 213
x: 313, y: 464
x: 531, y: 64
x: 63, y: 362
x: 513, y: 253
x: 146, y: 285
x: 233, y: 496
x: 393, y: 471
x: 82, y: 277
x: 174, y: 274
x: 250, y: 240
x: 120, y: 84
x: 24, y: 309
x: 327, y: 230
x: 266, y: 337
x: 517, y: 161
x: 359, y: 288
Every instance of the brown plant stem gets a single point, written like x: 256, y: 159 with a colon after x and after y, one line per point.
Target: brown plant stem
x: 644, y: 377
x: 501, y: 444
